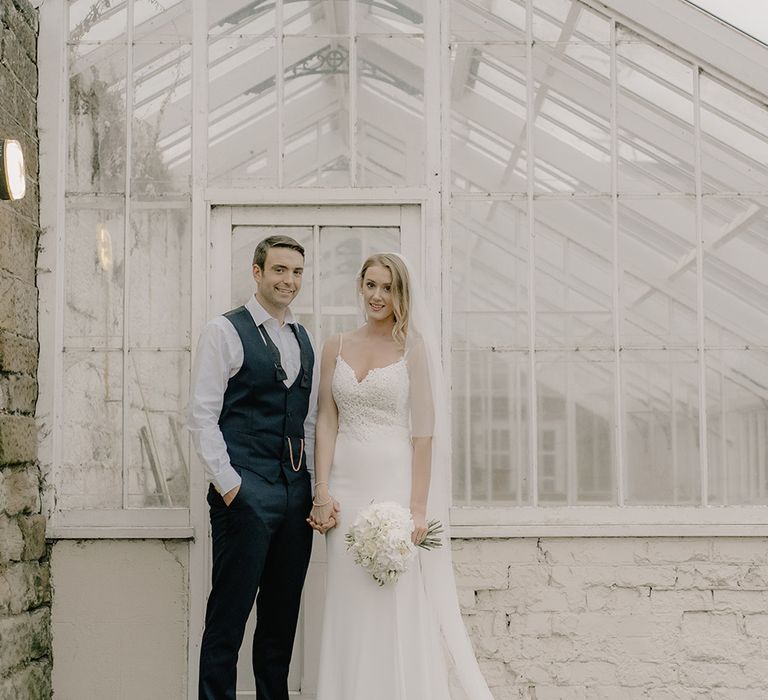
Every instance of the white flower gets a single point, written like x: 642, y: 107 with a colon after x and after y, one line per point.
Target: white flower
x: 380, y: 540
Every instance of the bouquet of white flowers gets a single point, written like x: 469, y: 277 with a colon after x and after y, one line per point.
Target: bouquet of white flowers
x: 380, y: 540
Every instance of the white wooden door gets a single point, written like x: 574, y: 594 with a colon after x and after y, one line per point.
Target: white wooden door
x: 336, y: 240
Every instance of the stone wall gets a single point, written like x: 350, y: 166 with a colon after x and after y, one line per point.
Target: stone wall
x: 618, y: 618
x: 24, y: 572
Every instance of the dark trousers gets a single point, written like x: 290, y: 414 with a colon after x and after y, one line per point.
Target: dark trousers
x: 261, y: 543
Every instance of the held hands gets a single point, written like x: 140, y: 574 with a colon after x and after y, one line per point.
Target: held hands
x: 325, y: 510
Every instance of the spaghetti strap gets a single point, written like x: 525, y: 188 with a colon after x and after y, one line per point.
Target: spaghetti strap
x: 341, y: 338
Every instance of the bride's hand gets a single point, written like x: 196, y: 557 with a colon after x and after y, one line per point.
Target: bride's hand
x: 324, y: 516
x: 420, y: 527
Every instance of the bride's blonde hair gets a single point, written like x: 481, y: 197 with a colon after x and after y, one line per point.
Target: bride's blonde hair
x: 401, y: 296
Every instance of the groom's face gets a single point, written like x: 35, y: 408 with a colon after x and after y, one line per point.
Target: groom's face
x: 280, y: 280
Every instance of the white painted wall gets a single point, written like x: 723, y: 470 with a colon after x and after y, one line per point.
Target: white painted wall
x: 119, y: 620
x: 618, y: 618
x: 656, y: 618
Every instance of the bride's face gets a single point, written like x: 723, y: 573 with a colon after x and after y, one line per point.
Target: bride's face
x: 377, y: 293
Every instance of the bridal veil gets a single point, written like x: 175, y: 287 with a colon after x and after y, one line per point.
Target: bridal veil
x: 430, y: 417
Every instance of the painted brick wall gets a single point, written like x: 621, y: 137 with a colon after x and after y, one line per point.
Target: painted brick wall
x: 618, y: 618
x: 25, y: 665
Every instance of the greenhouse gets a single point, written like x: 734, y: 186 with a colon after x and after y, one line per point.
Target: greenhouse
x: 582, y: 186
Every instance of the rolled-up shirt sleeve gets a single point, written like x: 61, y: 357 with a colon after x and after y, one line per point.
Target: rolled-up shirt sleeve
x: 215, y: 362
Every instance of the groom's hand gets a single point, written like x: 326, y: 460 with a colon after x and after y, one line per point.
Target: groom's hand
x: 332, y: 520
x: 322, y: 528
x: 229, y: 496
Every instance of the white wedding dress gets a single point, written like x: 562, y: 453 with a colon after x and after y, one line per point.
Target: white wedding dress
x: 378, y: 642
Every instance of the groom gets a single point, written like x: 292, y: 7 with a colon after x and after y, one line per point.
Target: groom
x: 252, y: 414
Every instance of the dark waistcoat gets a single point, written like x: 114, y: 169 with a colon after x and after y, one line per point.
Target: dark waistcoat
x: 261, y: 419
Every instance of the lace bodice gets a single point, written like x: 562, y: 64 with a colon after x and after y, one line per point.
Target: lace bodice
x: 374, y: 407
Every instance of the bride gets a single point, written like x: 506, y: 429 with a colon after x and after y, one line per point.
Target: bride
x: 382, y: 436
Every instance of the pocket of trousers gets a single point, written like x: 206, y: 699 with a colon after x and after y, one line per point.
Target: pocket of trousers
x: 239, y: 493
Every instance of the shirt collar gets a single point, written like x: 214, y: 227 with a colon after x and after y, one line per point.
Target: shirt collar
x: 261, y: 315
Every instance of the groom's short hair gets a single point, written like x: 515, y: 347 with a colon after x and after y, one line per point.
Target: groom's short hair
x: 260, y: 254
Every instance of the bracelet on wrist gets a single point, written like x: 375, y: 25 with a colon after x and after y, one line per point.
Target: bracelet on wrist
x: 320, y: 505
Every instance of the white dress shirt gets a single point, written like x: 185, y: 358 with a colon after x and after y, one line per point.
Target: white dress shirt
x: 220, y: 357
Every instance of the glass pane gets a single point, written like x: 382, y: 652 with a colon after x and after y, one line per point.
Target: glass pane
x: 244, y: 242
x: 734, y: 144
x: 242, y: 107
x: 574, y: 274
x: 162, y: 20
x: 735, y: 264
x: 160, y: 271
x: 568, y: 21
x: 161, y: 134
x: 157, y: 449
x: 737, y: 426
x: 97, y: 133
x: 90, y: 475
x: 102, y: 21
x: 575, y: 417
x: 657, y: 249
x: 93, y: 270
x: 490, y: 275
x: 572, y: 113
x: 549, y: 16
x: 316, y: 114
x: 244, y: 17
x: 314, y: 17
x: 655, y: 118
x: 476, y: 20
x: 320, y: 141
x: 490, y: 427
x: 661, y: 424
x: 342, y: 251
x: 488, y: 97
x: 375, y: 17
x: 390, y: 119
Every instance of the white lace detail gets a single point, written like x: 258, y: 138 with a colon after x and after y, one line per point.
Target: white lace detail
x: 377, y: 405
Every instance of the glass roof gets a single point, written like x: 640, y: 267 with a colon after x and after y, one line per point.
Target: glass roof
x: 489, y: 74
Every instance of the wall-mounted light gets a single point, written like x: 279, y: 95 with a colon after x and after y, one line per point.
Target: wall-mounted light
x: 13, y: 181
